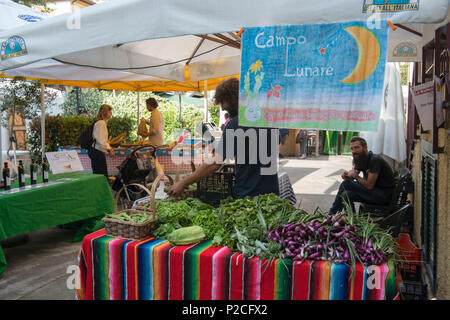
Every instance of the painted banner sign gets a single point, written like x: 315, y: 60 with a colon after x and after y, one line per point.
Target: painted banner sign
x: 325, y: 76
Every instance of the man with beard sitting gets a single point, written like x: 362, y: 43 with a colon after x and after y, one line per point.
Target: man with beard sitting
x: 375, y: 187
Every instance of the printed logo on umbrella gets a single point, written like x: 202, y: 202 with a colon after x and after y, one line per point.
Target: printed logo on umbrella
x: 13, y: 47
x: 29, y: 18
x: 390, y: 5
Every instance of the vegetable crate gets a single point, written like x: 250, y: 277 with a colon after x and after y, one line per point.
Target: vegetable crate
x: 217, y: 186
x: 411, y: 263
x: 130, y: 230
x: 414, y: 290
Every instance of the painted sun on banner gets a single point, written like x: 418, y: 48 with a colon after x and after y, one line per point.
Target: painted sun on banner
x: 326, y: 76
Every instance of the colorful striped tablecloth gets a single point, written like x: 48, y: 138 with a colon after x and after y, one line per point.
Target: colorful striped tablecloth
x: 120, y: 269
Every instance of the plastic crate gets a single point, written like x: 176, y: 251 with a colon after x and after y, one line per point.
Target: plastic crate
x: 217, y: 186
x: 414, y: 290
x: 410, y: 265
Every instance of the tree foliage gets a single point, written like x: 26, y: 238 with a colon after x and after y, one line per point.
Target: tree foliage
x: 24, y: 98
x: 64, y: 131
x: 124, y: 104
x: 40, y: 5
x: 404, y: 73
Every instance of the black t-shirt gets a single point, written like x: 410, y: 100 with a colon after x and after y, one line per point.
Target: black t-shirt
x: 376, y: 164
x: 250, y: 180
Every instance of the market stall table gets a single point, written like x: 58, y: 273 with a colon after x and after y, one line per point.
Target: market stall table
x: 164, y: 158
x: 120, y: 269
x: 66, y: 198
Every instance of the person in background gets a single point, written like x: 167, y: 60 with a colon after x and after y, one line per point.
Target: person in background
x: 156, y: 123
x: 227, y: 119
x: 283, y: 135
x: 249, y: 178
x: 101, y: 146
x: 375, y: 187
x: 302, y: 138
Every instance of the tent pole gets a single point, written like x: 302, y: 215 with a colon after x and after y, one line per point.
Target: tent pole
x: 43, y: 121
x: 179, y: 100
x: 205, y: 96
x: 138, y: 107
x: 1, y: 139
x: 317, y: 142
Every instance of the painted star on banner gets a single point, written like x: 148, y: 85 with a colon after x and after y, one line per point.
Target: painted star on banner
x: 322, y: 50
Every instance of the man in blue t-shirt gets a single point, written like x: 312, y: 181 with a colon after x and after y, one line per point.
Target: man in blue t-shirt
x: 254, y: 149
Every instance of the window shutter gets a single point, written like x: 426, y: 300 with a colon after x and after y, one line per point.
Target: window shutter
x: 429, y: 217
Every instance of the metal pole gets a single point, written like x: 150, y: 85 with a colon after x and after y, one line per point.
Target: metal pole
x: 1, y: 138
x: 138, y: 108
x: 317, y: 143
x: 43, y: 121
x: 179, y: 99
x: 205, y: 83
x: 77, y: 91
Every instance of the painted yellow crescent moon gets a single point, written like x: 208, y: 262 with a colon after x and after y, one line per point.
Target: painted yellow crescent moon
x: 369, y: 54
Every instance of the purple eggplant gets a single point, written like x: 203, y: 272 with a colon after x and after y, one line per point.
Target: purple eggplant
x: 339, y: 234
x: 277, y: 234
x: 314, y: 255
x: 328, y: 220
x: 346, y: 255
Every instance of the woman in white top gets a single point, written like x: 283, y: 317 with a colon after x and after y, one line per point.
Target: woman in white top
x: 101, y: 146
x: 156, y: 123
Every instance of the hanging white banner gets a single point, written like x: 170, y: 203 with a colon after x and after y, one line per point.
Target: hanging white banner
x: 423, y: 99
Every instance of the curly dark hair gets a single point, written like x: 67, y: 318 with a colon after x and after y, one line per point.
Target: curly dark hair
x: 227, y: 95
x: 152, y: 102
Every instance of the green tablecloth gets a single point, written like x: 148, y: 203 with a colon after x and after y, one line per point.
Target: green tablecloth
x: 86, y: 197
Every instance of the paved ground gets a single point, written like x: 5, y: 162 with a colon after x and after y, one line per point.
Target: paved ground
x: 41, y: 269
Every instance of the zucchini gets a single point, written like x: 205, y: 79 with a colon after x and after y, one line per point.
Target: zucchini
x: 186, y: 235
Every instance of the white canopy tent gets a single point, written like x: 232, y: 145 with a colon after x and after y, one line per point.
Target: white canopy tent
x: 14, y: 15
x: 50, y: 71
x: 159, y: 38
x: 178, y: 40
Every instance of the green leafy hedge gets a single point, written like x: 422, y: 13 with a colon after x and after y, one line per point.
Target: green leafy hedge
x: 63, y: 131
x: 124, y: 104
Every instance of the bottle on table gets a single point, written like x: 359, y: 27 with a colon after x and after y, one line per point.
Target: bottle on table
x: 45, y: 171
x: 21, y: 174
x: 6, y: 177
x: 33, y: 172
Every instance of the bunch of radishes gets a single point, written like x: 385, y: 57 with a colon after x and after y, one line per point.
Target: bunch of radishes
x: 340, y: 239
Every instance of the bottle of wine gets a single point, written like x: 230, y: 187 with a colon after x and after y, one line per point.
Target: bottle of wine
x: 6, y: 178
x: 33, y: 172
x: 21, y: 174
x: 45, y: 171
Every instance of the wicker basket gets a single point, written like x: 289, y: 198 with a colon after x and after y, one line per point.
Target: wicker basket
x: 130, y: 230
x: 133, y: 231
x: 152, y: 207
